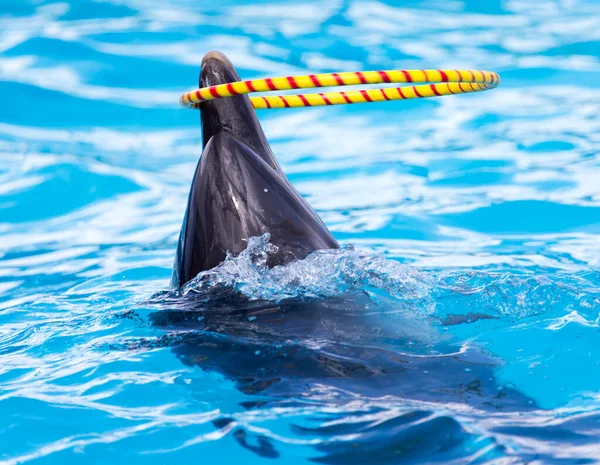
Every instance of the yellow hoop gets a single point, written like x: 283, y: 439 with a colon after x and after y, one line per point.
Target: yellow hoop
x: 444, y: 82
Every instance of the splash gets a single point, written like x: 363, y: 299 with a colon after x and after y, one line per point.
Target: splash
x: 324, y: 273
x: 335, y: 273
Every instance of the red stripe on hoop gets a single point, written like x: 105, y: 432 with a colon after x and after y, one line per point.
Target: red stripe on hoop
x: 384, y: 76
x: 472, y: 75
x: 407, y: 76
x: 449, y: 89
x: 285, y: 102
x: 198, y: 95
x: 270, y: 84
x: 267, y: 102
x: 315, y: 81
x: 250, y: 86
x: 231, y: 89
x: 325, y: 99
x: 338, y: 79
x: 417, y: 92
x: 213, y: 92
x: 384, y: 95
x: 304, y: 101
x: 346, y: 97
x: 361, y: 77
x: 399, y: 89
x: 292, y: 82
x: 366, y: 96
x: 444, y: 76
x: 435, y: 91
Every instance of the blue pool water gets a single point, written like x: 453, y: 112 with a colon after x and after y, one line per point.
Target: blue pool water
x: 460, y: 322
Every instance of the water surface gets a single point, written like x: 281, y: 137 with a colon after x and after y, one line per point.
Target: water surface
x: 475, y: 222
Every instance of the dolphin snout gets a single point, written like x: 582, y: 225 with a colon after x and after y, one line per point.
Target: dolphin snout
x: 217, y: 69
x: 218, y: 56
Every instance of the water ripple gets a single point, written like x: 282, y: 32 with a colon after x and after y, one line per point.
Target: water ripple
x: 461, y: 325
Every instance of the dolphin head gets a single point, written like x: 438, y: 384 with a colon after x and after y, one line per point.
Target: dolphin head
x: 239, y: 190
x: 234, y: 114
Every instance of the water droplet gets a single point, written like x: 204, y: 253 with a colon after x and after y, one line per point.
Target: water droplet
x: 266, y: 190
x: 257, y: 352
x: 251, y: 318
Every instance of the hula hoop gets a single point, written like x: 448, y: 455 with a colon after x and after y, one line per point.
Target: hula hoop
x: 444, y: 82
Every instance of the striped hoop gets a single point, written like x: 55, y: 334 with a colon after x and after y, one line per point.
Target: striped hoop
x: 444, y: 82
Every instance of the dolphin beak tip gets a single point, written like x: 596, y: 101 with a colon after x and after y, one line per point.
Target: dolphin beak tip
x: 217, y: 56
x: 217, y: 69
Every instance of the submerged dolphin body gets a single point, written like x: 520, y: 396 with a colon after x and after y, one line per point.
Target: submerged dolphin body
x: 327, y: 354
x: 239, y: 190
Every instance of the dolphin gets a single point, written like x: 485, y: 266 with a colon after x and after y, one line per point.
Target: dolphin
x: 328, y: 351
x: 239, y: 190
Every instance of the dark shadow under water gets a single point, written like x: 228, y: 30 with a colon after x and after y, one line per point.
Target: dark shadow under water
x: 360, y: 343
x: 334, y: 351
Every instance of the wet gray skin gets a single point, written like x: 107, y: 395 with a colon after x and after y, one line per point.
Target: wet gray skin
x: 239, y: 190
